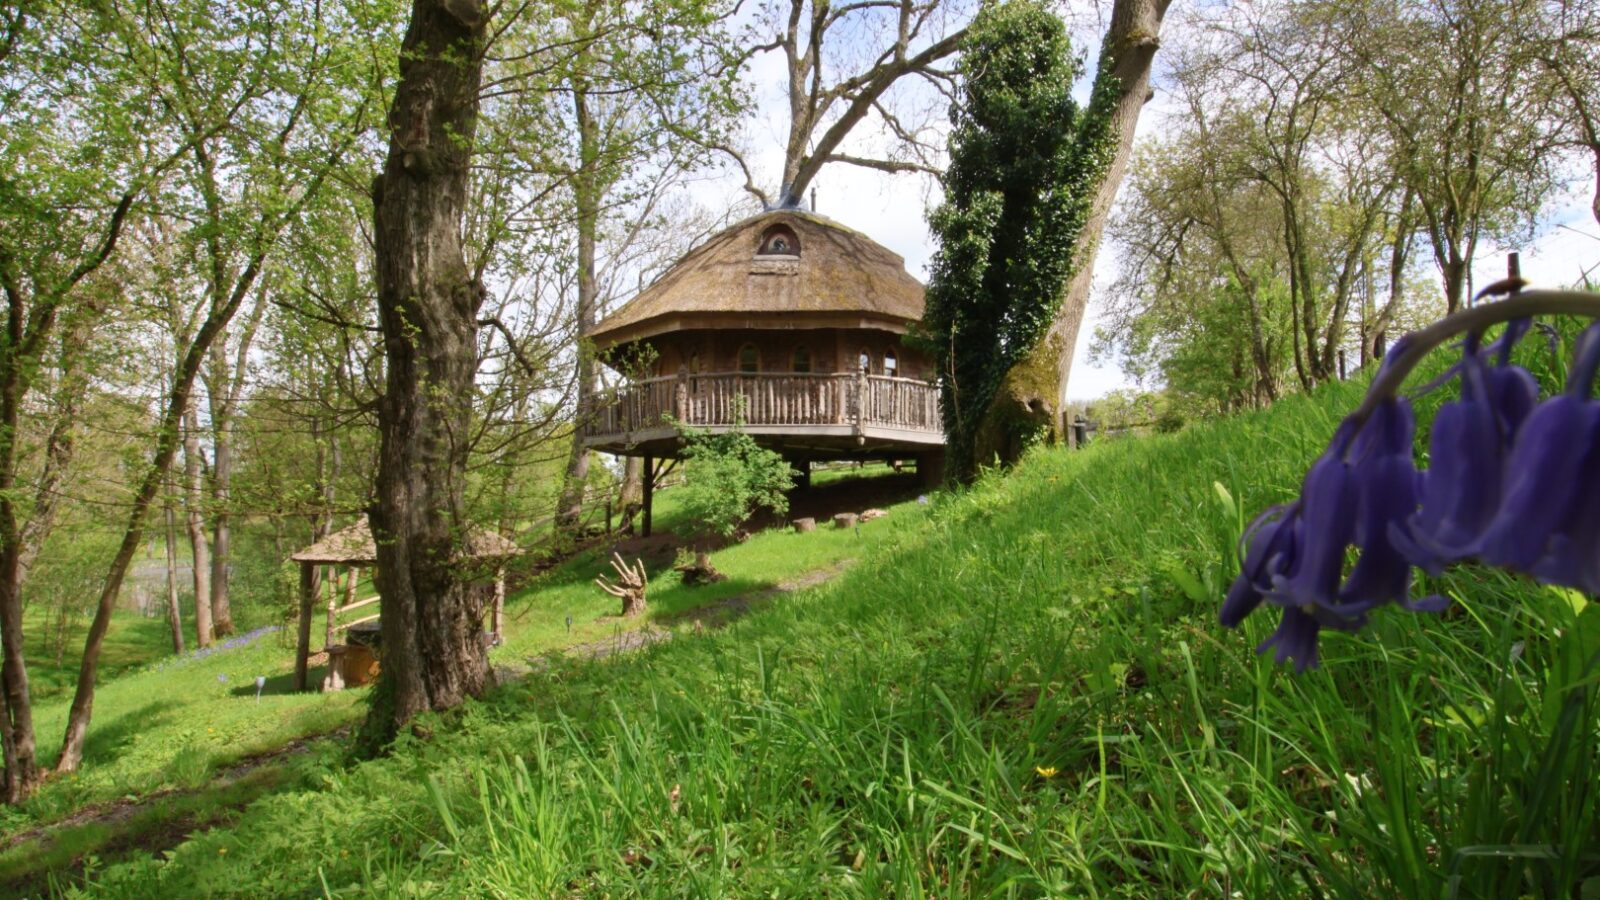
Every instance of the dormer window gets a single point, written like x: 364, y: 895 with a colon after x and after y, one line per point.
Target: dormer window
x: 779, y: 240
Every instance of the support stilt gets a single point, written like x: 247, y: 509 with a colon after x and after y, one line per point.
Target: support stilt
x: 649, y: 491
x: 303, y: 646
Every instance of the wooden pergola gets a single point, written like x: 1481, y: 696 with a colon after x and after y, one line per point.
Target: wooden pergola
x: 354, y: 549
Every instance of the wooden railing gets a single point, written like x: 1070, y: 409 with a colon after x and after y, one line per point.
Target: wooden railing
x: 723, y: 398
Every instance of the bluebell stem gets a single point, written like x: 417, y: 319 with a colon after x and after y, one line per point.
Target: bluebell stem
x: 1507, y: 486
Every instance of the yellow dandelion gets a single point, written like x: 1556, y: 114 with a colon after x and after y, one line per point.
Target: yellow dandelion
x: 1045, y: 771
x: 222, y: 851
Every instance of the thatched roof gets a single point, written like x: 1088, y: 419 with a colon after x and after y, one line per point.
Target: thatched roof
x: 354, y: 546
x: 839, y: 276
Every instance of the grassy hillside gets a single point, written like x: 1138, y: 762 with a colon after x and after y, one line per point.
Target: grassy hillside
x: 177, y: 743
x: 1022, y: 693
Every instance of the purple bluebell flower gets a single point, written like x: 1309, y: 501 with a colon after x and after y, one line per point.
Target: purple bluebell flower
x: 1467, y: 451
x: 1386, y: 495
x: 1295, y: 638
x: 1513, y: 483
x: 1327, y: 521
x: 1355, y: 494
x: 1549, y: 521
x: 1266, y: 544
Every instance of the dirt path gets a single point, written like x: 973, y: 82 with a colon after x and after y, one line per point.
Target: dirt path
x: 116, y: 812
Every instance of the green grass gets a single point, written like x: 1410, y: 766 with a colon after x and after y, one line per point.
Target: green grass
x: 132, y: 642
x: 1019, y: 691
x: 165, y: 725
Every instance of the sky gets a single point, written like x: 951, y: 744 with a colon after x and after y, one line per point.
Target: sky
x: 892, y: 209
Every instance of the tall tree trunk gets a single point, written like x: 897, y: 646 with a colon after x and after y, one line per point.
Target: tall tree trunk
x: 174, y: 611
x: 167, y: 439
x: 1035, y: 392
x: 225, y: 387
x: 20, y: 546
x: 194, y: 518
x: 22, y: 773
x: 428, y: 300
x: 569, y: 512
x: 221, y: 531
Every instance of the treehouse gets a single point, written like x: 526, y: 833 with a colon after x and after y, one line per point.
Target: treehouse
x: 787, y: 325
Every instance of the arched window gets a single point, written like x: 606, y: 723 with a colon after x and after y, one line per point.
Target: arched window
x: 864, y: 360
x: 749, y: 359
x: 802, y: 360
x: 891, y: 363
x: 779, y: 240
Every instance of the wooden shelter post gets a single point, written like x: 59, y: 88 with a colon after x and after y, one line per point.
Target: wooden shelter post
x: 302, y: 653
x: 649, y: 492
x: 333, y: 611
x: 497, y: 616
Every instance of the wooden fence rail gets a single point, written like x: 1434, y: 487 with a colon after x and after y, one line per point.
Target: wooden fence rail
x: 767, y: 398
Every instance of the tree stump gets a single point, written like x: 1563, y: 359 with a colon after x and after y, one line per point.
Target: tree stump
x: 701, y: 571
x: 845, y: 520
x: 630, y: 585
x: 805, y: 525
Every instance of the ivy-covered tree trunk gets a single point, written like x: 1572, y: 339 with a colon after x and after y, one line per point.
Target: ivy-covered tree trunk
x: 434, y: 656
x: 1025, y: 165
x: 1034, y: 394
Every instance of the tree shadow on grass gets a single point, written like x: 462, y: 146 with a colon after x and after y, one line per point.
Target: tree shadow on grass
x: 107, y: 742
x: 673, y: 603
x: 282, y: 684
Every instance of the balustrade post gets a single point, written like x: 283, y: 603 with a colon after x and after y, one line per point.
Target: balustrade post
x: 680, y: 399
x: 861, y: 406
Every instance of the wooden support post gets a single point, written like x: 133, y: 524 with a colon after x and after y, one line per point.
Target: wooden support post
x: 649, y: 492
x: 680, y: 395
x: 303, y: 647
x: 497, y: 616
x: 930, y: 469
x: 333, y: 611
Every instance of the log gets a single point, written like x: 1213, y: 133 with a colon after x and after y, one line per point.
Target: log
x: 805, y: 525
x: 845, y: 520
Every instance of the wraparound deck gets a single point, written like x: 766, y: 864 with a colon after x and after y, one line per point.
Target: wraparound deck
x: 824, y: 415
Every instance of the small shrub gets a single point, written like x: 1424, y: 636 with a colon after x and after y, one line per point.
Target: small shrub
x: 728, y: 478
